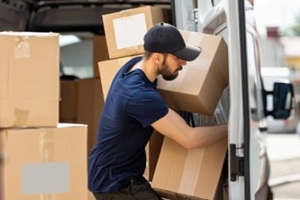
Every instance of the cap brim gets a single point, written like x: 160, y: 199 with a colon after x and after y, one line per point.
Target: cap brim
x: 189, y: 53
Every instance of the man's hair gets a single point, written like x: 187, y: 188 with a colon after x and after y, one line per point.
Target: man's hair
x: 147, y: 54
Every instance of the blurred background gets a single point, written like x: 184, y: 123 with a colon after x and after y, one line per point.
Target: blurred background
x: 278, y: 24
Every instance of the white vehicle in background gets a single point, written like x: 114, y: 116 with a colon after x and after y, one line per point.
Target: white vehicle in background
x: 246, y: 100
x: 285, y: 74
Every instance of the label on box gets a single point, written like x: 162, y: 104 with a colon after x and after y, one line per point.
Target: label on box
x: 42, y: 178
x: 130, y: 31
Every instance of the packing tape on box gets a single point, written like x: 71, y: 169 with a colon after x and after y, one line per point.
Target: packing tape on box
x: 126, y: 13
x: 47, y: 155
x: 21, y: 117
x: 22, y: 47
x: 45, y: 177
x: 50, y: 196
x: 47, y: 150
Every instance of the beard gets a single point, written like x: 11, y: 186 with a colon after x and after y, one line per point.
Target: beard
x: 166, y: 73
x: 170, y: 77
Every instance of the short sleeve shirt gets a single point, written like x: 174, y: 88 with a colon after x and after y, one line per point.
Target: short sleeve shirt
x: 132, y: 105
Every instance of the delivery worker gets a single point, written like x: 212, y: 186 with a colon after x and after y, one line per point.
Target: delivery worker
x: 133, y: 108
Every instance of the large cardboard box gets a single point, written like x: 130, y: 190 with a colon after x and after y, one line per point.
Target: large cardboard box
x: 100, y: 52
x: 90, y: 103
x: 44, y: 163
x: 82, y: 102
x: 90, y: 196
x: 125, y: 30
x: 68, y: 101
x: 29, y: 79
x: 189, y: 172
x: 200, y: 84
x: 152, y: 152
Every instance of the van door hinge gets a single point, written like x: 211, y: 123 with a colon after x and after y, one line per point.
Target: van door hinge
x: 236, y: 163
x: 193, y: 15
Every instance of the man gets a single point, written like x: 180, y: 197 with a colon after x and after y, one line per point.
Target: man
x: 133, y: 108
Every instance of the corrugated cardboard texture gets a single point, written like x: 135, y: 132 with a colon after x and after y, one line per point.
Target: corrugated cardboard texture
x: 55, y: 150
x: 29, y: 79
x: 190, y: 172
x: 128, y: 40
x: 152, y: 152
x: 200, y: 84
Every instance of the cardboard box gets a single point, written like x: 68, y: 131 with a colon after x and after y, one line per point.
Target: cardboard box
x: 100, y: 52
x: 152, y: 152
x: 82, y: 102
x: 198, y: 87
x: 68, y: 101
x: 90, y: 103
x: 125, y: 30
x: 44, y: 163
x: 29, y: 79
x: 200, y: 84
x: 108, y: 70
x: 189, y: 172
x: 168, y: 195
x: 90, y: 196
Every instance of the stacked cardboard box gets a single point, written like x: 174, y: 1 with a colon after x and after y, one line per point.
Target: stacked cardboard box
x: 42, y: 158
x: 100, y: 52
x: 81, y: 102
x: 82, y: 99
x: 125, y: 30
x: 197, y: 89
x: 200, y: 84
x: 190, y: 172
x: 29, y: 80
x: 108, y: 70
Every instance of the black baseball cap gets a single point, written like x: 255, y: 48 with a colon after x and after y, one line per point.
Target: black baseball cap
x: 166, y: 38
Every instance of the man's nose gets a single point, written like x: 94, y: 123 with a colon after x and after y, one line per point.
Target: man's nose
x: 182, y: 62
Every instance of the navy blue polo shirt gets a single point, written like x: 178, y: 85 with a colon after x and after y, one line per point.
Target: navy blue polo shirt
x: 132, y: 105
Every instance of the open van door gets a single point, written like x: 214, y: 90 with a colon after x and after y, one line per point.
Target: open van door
x: 245, y: 101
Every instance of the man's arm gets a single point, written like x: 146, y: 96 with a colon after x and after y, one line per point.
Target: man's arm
x: 173, y: 126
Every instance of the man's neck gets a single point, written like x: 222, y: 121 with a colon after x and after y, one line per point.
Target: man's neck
x: 148, y: 68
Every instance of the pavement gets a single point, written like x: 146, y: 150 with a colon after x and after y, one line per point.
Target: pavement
x: 284, y: 155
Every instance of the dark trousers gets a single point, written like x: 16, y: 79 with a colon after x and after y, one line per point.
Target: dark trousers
x: 139, y: 189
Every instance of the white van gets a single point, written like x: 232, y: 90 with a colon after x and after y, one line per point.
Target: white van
x: 246, y: 100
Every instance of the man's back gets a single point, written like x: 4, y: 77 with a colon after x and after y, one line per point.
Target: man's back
x: 131, y: 106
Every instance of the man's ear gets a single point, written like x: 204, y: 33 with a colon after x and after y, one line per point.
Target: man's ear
x: 158, y: 58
